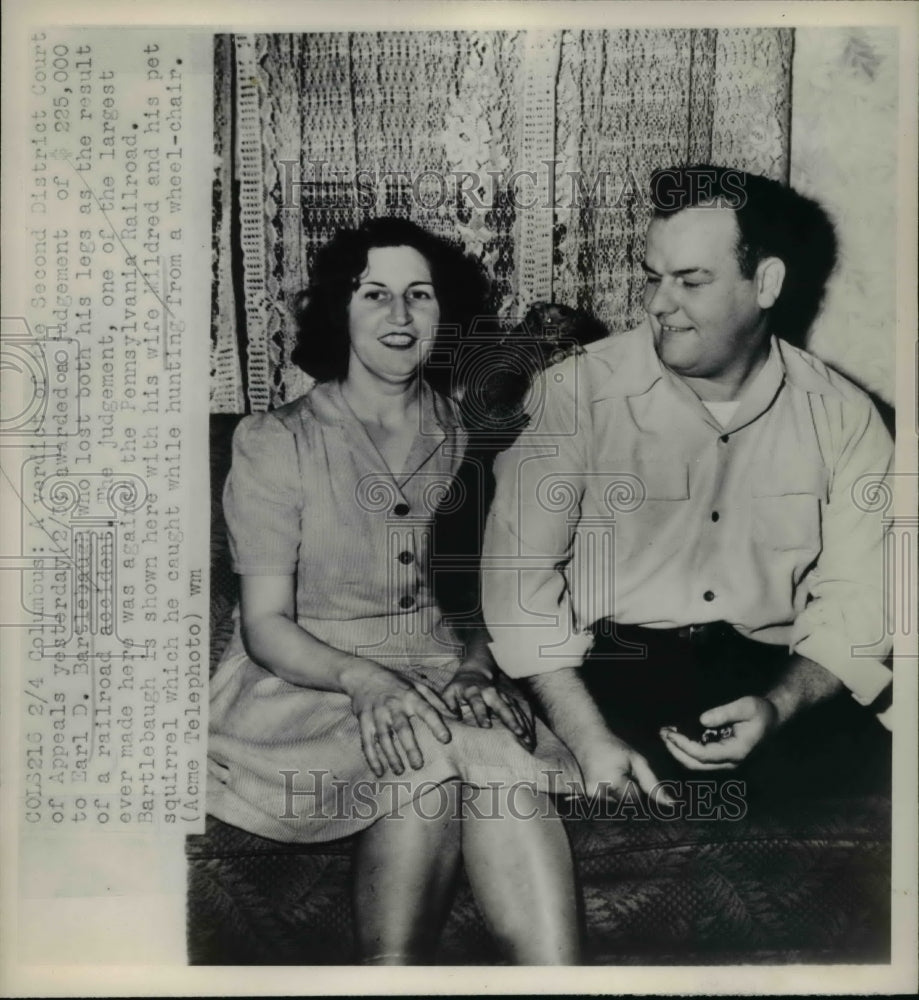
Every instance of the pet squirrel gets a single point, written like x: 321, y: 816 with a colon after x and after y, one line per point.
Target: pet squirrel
x: 498, y: 378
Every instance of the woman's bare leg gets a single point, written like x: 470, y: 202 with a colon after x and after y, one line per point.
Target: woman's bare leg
x: 403, y: 874
x: 519, y: 864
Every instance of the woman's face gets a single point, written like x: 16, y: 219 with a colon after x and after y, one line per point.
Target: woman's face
x: 393, y: 313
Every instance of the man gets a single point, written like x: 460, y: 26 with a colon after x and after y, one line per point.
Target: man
x: 676, y: 556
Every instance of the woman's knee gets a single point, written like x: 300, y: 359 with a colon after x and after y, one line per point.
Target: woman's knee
x: 430, y: 802
x: 519, y: 800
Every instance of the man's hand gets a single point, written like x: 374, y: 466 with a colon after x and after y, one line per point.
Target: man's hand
x: 608, y: 767
x: 752, y: 719
x: 488, y: 697
x: 607, y: 763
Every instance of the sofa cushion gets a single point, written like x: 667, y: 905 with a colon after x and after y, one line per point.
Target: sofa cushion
x: 810, y: 883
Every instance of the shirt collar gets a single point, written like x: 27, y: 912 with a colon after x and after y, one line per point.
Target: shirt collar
x: 802, y: 369
x: 784, y: 365
x: 635, y: 370
x: 641, y: 370
x: 758, y: 395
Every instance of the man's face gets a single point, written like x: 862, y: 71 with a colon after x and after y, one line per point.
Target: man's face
x: 707, y: 319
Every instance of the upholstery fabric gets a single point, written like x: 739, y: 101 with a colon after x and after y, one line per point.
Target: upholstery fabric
x: 811, y: 885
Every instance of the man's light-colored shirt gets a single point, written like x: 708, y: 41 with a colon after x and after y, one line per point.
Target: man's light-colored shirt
x: 626, y: 498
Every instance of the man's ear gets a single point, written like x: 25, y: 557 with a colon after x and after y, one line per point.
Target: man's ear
x: 770, y: 274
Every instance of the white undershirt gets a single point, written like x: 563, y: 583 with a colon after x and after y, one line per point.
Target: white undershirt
x: 722, y: 412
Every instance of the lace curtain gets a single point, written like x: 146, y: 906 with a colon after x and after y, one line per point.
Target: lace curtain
x: 534, y: 148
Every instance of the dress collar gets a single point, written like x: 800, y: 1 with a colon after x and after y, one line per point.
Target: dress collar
x: 438, y: 423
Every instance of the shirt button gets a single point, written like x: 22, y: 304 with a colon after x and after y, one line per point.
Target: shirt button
x: 405, y: 557
x: 723, y: 439
x: 406, y: 601
x: 715, y: 515
x: 709, y: 595
x: 401, y: 509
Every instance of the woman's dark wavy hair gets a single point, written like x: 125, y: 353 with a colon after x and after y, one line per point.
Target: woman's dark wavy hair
x: 773, y: 220
x: 321, y: 310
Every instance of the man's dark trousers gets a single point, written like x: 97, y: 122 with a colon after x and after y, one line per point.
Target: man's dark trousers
x: 643, y: 679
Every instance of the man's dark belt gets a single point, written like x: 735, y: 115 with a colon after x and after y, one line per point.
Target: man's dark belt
x: 706, y: 634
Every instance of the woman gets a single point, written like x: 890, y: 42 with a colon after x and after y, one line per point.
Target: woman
x: 343, y: 704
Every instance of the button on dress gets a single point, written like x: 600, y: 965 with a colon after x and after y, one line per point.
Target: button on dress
x: 309, y: 494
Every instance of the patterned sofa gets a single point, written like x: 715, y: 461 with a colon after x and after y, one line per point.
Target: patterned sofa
x: 801, y: 881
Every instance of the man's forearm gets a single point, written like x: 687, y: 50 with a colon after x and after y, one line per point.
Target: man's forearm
x: 573, y: 714
x: 608, y: 765
x: 803, y: 684
x: 477, y: 657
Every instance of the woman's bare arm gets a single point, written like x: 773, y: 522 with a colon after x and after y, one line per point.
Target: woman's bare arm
x: 276, y: 642
x: 383, y: 702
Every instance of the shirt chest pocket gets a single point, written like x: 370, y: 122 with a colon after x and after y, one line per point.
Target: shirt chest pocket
x: 649, y: 502
x: 787, y: 514
x: 664, y: 478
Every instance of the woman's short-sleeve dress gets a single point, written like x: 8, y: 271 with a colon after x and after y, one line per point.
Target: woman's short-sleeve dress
x: 308, y: 494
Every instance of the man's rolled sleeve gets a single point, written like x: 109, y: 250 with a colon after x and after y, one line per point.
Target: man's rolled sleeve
x: 530, y: 532
x: 843, y: 625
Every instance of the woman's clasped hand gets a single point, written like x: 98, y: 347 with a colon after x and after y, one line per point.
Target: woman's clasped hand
x: 389, y: 707
x: 385, y: 705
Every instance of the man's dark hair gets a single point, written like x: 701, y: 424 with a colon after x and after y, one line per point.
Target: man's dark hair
x: 321, y: 310
x: 773, y: 220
